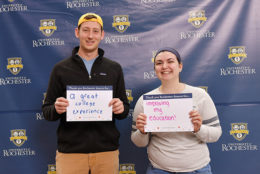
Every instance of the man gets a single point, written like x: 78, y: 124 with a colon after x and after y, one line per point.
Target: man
x: 92, y: 146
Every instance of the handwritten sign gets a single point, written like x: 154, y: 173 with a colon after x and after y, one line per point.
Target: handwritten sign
x: 89, y: 103
x: 168, y: 112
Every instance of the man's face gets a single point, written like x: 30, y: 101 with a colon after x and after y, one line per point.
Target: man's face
x: 89, y: 35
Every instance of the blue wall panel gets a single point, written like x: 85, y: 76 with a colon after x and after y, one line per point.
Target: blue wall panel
x: 219, y: 51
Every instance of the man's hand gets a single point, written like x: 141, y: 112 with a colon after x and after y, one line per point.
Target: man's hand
x: 117, y: 106
x: 61, y: 105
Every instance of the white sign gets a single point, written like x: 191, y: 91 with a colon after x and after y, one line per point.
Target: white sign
x: 89, y: 103
x: 168, y: 112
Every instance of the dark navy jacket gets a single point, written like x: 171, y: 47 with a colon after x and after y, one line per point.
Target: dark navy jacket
x: 85, y: 137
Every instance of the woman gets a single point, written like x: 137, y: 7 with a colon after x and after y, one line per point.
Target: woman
x: 177, y: 152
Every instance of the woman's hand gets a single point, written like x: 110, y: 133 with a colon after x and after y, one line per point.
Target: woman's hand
x: 140, y: 122
x: 196, y: 120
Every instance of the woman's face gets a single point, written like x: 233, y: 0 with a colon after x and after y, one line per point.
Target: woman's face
x: 167, y: 66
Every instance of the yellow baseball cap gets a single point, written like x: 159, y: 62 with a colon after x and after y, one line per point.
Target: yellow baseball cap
x: 90, y: 17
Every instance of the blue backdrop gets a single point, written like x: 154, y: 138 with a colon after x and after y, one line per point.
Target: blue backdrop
x: 218, y: 41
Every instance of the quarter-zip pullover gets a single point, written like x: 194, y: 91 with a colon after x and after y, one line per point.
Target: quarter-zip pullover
x: 85, y: 137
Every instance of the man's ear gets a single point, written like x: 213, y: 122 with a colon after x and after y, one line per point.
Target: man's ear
x: 77, y: 32
x: 102, y: 34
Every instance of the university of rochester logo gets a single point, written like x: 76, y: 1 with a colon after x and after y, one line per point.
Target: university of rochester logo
x: 121, y: 23
x: 204, y: 87
x: 82, y: 3
x: 47, y: 27
x: 127, y: 169
x: 18, y: 137
x: 14, y: 65
x: 12, y: 7
x: 239, y: 131
x: 44, y: 96
x: 154, y: 53
x: 51, y: 169
x: 237, y: 54
x: 129, y: 95
x: 197, y: 18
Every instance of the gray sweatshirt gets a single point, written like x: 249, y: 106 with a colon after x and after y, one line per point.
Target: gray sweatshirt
x: 180, y: 151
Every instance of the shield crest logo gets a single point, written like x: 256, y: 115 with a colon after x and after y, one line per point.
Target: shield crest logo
x: 127, y: 169
x: 129, y: 95
x: 14, y: 65
x: 237, y: 54
x: 18, y: 137
x: 204, y: 87
x: 51, y: 169
x: 197, y: 18
x: 154, y: 53
x: 44, y: 96
x: 239, y: 131
x: 121, y: 23
x: 48, y: 27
